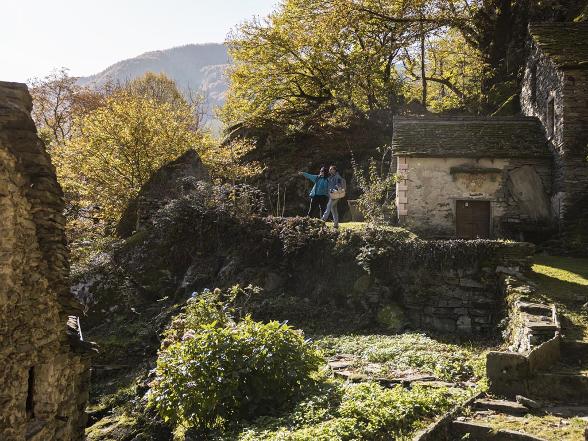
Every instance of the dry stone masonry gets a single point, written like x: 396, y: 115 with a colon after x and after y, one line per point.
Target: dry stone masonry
x: 44, y: 371
x: 555, y: 90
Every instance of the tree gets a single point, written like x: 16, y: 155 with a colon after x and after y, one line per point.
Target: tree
x: 57, y: 101
x: 119, y: 146
x: 453, y: 71
x: 314, y: 64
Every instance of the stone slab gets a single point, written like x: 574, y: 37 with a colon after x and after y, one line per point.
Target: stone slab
x: 502, y: 406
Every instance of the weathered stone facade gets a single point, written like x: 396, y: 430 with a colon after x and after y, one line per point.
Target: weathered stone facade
x: 517, y: 189
x: 555, y: 90
x: 441, y: 162
x: 44, y: 371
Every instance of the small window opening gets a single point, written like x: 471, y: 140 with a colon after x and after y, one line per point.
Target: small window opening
x: 534, y: 83
x: 30, y: 394
x: 550, y: 117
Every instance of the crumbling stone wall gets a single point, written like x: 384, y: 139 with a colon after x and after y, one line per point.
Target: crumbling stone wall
x: 43, y: 378
x: 518, y: 191
x: 568, y: 89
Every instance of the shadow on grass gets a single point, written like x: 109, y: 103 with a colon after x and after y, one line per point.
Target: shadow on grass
x: 564, y: 282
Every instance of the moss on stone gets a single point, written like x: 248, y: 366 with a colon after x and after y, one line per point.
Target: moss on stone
x: 392, y: 317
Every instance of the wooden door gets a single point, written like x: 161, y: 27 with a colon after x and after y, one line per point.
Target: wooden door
x: 472, y: 219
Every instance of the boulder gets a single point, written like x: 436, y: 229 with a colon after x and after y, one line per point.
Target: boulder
x: 166, y: 184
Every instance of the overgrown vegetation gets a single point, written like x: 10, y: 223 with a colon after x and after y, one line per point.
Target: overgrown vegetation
x: 214, y: 370
x: 376, y: 201
x: 414, y: 353
x: 346, y: 412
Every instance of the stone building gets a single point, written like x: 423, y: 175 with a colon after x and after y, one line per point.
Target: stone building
x: 44, y: 364
x: 472, y: 177
x: 555, y: 90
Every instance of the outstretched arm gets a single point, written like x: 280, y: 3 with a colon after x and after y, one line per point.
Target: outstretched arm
x: 313, y: 178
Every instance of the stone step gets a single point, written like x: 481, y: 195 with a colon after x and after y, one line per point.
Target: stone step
x: 501, y: 406
x: 535, y: 308
x: 481, y: 432
x: 559, y: 387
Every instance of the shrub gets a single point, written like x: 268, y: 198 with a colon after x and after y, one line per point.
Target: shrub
x: 220, y: 370
x: 377, y: 200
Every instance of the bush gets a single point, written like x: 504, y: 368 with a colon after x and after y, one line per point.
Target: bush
x: 220, y: 370
x: 377, y: 184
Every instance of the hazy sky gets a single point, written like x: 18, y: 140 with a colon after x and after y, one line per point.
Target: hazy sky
x: 37, y: 36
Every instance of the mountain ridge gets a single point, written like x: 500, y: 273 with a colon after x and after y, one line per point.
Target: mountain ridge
x: 194, y: 67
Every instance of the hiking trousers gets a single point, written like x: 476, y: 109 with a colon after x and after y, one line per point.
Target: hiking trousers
x: 317, y: 203
x: 332, y: 209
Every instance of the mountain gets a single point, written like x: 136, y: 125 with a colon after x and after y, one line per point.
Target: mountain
x: 196, y: 67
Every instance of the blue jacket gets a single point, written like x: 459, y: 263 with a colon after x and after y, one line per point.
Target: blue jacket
x: 321, y: 185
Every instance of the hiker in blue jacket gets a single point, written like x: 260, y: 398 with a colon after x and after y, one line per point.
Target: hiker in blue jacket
x: 319, y: 195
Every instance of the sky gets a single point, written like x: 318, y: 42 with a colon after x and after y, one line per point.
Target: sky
x: 38, y: 36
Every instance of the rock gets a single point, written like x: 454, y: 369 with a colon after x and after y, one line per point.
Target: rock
x: 338, y: 365
x: 502, y: 406
x: 167, y: 183
x: 273, y: 282
x: 529, y: 403
x: 464, y: 323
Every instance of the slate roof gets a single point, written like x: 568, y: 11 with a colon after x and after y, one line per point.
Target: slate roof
x: 470, y: 137
x: 565, y: 43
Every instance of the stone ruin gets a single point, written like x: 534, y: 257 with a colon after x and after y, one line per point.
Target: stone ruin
x: 44, y: 379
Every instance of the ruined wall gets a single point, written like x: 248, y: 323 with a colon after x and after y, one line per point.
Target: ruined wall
x: 43, y: 380
x: 568, y: 88
x: 518, y: 191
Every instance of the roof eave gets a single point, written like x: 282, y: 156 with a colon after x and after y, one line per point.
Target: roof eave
x: 470, y: 156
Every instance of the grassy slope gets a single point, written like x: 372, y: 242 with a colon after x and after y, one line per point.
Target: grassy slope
x: 564, y: 281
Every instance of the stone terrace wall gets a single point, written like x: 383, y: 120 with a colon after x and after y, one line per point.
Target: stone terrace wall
x: 385, y: 274
x: 43, y: 380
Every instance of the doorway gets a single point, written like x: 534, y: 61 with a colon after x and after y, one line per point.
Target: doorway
x: 472, y: 219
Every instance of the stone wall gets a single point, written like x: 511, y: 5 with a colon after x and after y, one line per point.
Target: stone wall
x: 386, y: 275
x: 568, y: 88
x: 44, y: 379
x: 533, y: 336
x: 518, y: 190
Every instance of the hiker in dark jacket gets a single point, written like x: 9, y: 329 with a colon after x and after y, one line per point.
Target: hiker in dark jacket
x: 319, y: 195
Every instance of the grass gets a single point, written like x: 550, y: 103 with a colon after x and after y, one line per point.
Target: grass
x: 564, y: 281
x: 410, y: 353
x: 354, y: 226
x: 339, y: 411
x: 547, y: 427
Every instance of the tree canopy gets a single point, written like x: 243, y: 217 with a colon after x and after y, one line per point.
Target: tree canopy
x: 120, y: 145
x: 313, y: 64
